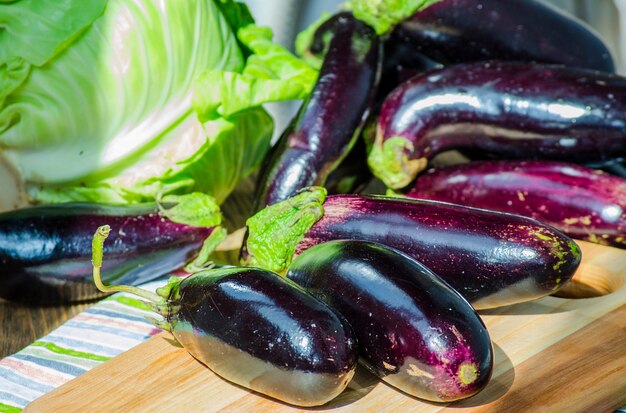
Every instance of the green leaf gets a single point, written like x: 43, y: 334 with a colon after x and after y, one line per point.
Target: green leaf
x: 195, y: 209
x: 271, y: 74
x: 203, y: 260
x: 12, y: 74
x: 34, y: 31
x: 236, y: 13
x: 37, y: 30
x: 109, y: 116
x: 113, y: 111
x: 214, y: 164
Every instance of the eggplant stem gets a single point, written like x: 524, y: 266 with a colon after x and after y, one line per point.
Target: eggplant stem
x: 96, y: 259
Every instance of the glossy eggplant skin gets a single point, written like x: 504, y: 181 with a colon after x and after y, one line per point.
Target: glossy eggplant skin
x: 264, y: 332
x: 458, y: 31
x: 330, y: 119
x: 45, y: 251
x: 508, y: 110
x: 413, y: 330
x: 584, y: 203
x: 492, y: 258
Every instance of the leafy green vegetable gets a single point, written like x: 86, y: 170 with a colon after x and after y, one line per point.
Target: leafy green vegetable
x: 271, y: 74
x: 194, y: 208
x: 96, y: 97
x: 37, y: 30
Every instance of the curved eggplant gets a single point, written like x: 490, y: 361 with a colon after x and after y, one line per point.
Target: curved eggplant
x: 254, y: 328
x: 413, y: 330
x: 504, y: 109
x: 45, y: 251
x: 458, y: 31
x: 584, y: 203
x: 492, y: 258
x: 330, y: 120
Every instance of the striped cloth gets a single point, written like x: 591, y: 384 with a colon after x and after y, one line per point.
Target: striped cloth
x: 92, y: 337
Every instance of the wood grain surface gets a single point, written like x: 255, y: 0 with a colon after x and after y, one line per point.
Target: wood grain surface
x: 551, y: 355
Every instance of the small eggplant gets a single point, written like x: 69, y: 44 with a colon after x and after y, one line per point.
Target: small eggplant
x: 45, y: 250
x: 584, y: 203
x: 330, y: 120
x: 503, y: 109
x: 253, y: 328
x: 413, y: 330
x: 492, y: 258
x: 459, y: 31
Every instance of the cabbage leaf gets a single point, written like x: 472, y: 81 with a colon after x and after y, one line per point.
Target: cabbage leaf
x: 104, y: 113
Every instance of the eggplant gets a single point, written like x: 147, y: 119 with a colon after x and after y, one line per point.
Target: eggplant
x: 460, y: 31
x: 253, y: 328
x: 508, y: 110
x: 400, y: 64
x: 45, y: 251
x: 584, y: 203
x: 492, y: 258
x: 330, y: 119
x: 413, y: 330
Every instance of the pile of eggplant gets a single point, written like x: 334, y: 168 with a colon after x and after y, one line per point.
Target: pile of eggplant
x: 330, y: 277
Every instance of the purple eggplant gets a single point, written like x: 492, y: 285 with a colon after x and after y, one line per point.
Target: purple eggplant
x: 330, y: 119
x: 254, y: 328
x: 505, y: 109
x: 584, y: 203
x: 492, y: 258
x: 45, y: 251
x: 413, y: 330
x: 459, y: 31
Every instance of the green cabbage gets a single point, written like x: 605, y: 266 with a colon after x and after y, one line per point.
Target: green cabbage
x: 122, y: 101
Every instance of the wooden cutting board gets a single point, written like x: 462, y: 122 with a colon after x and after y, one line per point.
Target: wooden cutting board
x: 551, y: 355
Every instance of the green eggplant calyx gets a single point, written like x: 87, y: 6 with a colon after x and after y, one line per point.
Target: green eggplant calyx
x: 274, y: 232
x: 384, y: 15
x: 390, y: 163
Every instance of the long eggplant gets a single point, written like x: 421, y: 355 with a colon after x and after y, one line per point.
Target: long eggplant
x: 584, y: 203
x: 458, y: 31
x: 413, y: 330
x: 492, y: 258
x: 330, y: 119
x: 45, y: 251
x: 253, y: 328
x: 506, y: 109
